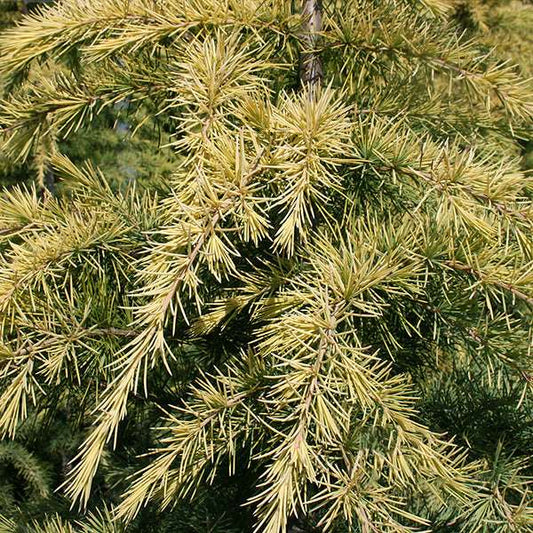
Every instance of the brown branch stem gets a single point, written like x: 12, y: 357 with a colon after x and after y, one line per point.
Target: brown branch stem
x: 91, y: 333
x: 455, y: 265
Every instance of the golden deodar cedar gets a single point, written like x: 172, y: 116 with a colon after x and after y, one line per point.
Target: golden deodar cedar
x: 327, y: 307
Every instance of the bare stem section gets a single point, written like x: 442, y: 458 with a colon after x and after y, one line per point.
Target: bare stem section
x: 311, y: 71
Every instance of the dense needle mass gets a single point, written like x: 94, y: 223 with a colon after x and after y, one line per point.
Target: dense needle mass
x: 321, y: 318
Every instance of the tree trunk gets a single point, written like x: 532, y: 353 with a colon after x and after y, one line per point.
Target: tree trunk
x: 50, y: 181
x: 311, y: 65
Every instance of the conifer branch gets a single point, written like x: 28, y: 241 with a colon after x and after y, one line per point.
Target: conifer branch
x: 489, y: 280
x: 108, y: 28
x: 182, y: 462
x: 193, y: 238
x: 90, y: 333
